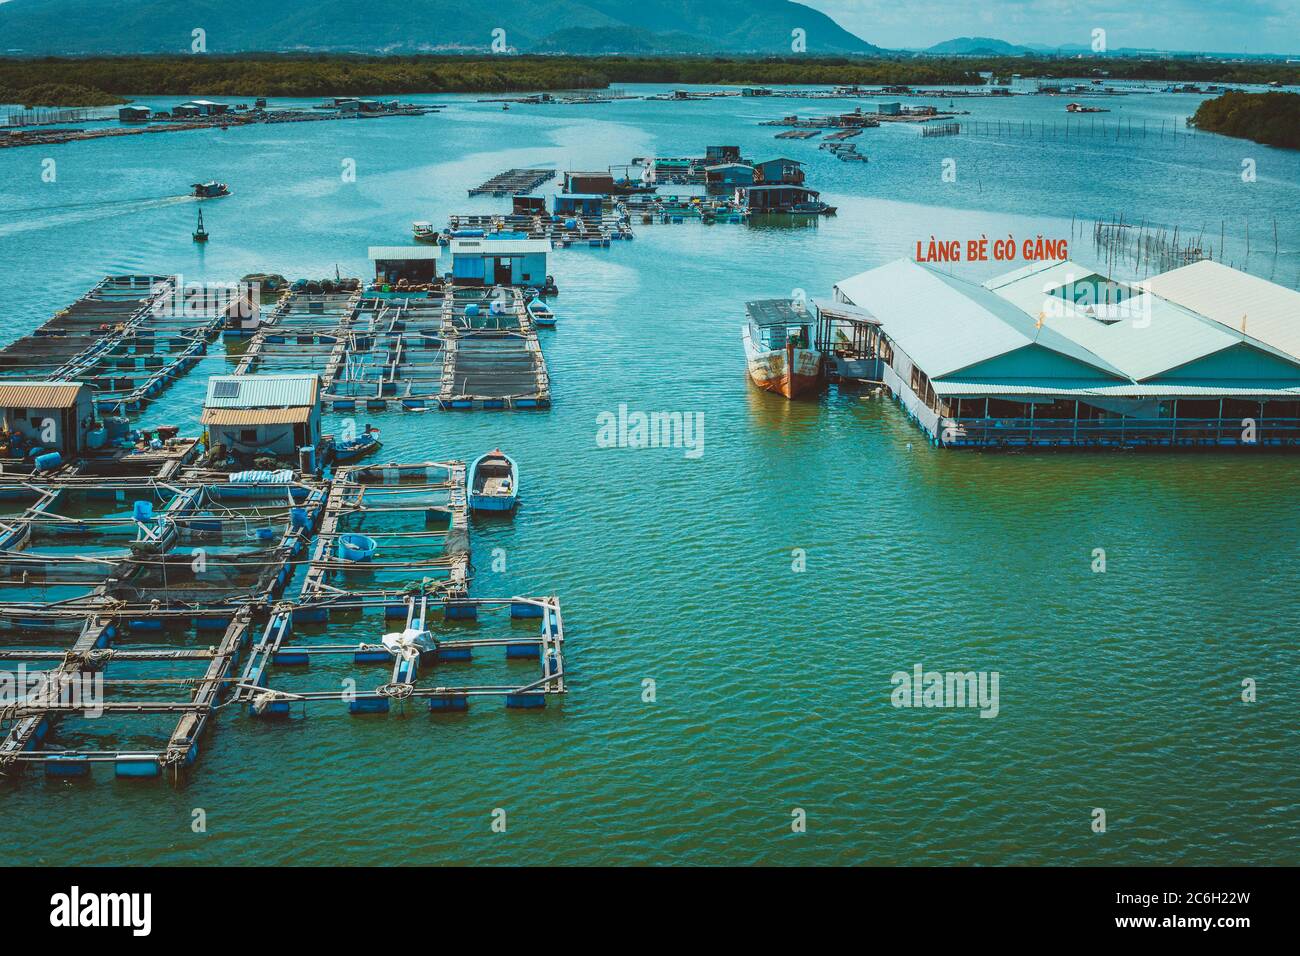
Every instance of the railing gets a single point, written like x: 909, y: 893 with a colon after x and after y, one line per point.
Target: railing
x: 1139, y: 431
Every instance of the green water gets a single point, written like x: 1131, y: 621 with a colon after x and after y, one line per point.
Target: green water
x: 1118, y: 690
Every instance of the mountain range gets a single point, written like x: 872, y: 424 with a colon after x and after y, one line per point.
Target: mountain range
x: 977, y: 46
x: 78, y: 27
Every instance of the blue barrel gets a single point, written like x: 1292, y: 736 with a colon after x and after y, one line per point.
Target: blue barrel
x: 298, y: 519
x: 97, y: 438
x: 49, y: 461
x: 356, y: 547
x: 142, y: 511
x: 471, y: 309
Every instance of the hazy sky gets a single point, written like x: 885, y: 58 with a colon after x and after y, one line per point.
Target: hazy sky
x: 1257, y: 26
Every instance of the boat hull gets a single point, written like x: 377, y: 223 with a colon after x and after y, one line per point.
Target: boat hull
x: 790, y: 372
x: 479, y: 502
x: 353, y: 452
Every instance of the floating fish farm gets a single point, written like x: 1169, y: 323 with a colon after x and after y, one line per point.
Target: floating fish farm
x: 452, y: 348
x: 152, y: 587
x: 128, y: 338
x: 562, y: 231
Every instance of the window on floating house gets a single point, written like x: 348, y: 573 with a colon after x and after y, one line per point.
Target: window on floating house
x: 248, y: 436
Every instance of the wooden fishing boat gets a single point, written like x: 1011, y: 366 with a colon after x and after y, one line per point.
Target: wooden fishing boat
x: 814, y: 208
x: 358, y: 447
x: 777, y: 353
x: 542, y: 315
x: 493, y: 482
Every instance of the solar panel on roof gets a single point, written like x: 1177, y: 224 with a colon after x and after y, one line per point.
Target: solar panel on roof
x: 225, y: 389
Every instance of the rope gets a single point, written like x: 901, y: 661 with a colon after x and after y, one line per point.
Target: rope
x: 396, y: 691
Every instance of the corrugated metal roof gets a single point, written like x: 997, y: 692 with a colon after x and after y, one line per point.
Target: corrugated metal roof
x: 499, y: 247
x: 946, y: 324
x: 1142, y: 335
x: 255, y: 416
x: 39, y: 394
x: 776, y: 312
x: 1268, y: 312
x: 261, y: 391
x: 1083, y: 388
x: 405, y: 252
x: 842, y: 310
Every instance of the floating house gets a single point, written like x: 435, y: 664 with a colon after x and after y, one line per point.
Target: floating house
x: 201, y: 108
x: 349, y: 104
x: 528, y: 206
x: 780, y: 170
x: 417, y: 264
x: 729, y: 175
x: 1055, y: 354
x: 499, y: 261
x: 716, y: 155
x: 578, y: 204
x: 890, y: 108
x: 670, y: 169
x: 601, y: 183
x: 775, y: 198
x: 263, y: 414
x: 55, y: 416
x: 134, y: 114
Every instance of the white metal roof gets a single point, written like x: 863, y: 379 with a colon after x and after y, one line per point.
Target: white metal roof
x: 405, y: 252
x: 1079, y: 388
x: 1143, y: 336
x: 1263, y: 309
x: 499, y: 247
x: 946, y: 324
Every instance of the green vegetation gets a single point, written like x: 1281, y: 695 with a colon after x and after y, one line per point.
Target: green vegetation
x: 1269, y: 118
x: 1177, y: 70
x: 58, y: 94
x: 327, y: 75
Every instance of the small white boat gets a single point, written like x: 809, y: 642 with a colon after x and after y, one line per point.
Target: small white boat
x: 493, y: 482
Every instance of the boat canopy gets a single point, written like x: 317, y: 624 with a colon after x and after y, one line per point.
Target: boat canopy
x: 768, y: 313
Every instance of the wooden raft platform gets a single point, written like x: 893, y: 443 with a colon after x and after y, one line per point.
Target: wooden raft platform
x: 128, y: 339
x: 513, y: 182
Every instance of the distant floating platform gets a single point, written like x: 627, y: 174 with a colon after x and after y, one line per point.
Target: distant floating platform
x: 513, y: 182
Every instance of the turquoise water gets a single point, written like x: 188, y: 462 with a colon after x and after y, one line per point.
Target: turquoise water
x: 1118, y: 690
